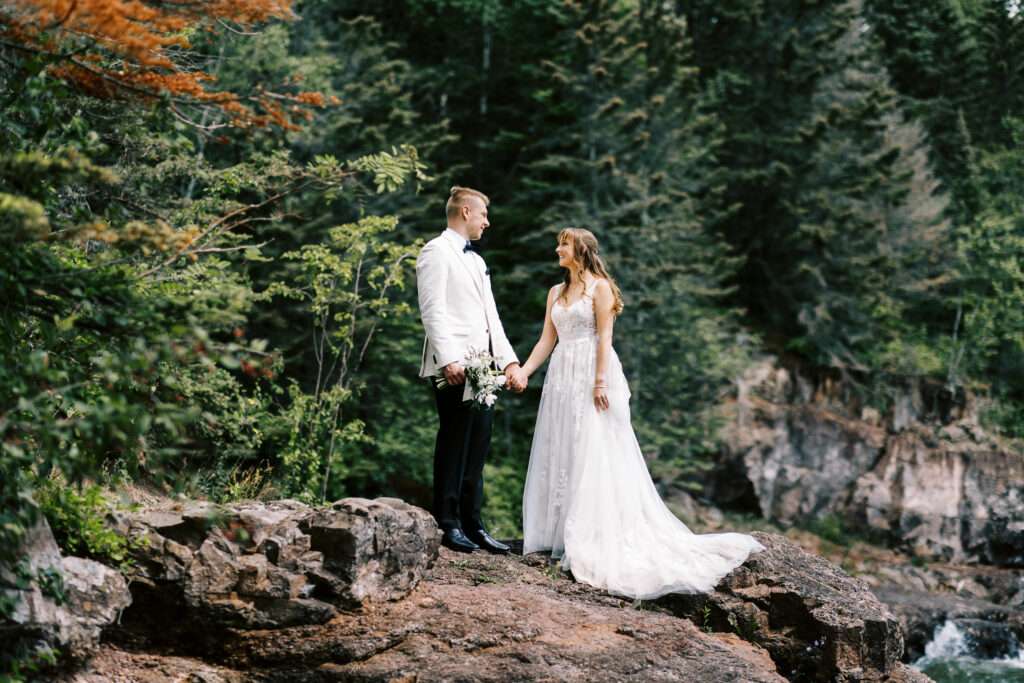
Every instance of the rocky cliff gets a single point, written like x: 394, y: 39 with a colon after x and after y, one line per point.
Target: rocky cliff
x: 921, y: 476
x: 360, y: 591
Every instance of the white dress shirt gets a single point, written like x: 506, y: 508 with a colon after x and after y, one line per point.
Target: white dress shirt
x: 475, y: 260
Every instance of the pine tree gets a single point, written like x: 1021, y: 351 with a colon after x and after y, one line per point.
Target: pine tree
x: 931, y: 54
x: 817, y: 171
x: 628, y: 154
x: 958, y: 64
x: 997, y: 28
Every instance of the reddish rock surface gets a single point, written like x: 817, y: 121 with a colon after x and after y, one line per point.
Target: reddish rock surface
x: 480, y: 617
x: 485, y: 618
x: 473, y: 618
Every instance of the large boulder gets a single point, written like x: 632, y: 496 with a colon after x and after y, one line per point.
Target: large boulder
x: 60, y: 604
x: 372, y: 549
x: 808, y: 613
x: 270, y: 565
x: 95, y: 593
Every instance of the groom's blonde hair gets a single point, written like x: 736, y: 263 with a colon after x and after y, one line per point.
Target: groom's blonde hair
x: 457, y: 199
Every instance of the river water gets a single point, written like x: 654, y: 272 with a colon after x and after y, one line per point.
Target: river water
x: 952, y: 657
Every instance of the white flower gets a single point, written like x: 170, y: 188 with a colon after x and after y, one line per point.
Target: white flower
x: 482, y: 379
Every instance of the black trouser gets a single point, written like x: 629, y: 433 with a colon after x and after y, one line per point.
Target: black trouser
x: 463, y: 439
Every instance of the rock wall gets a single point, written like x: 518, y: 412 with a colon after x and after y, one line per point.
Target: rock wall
x: 941, y: 500
x: 923, y: 476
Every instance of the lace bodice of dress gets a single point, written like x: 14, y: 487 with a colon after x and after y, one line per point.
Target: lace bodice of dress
x: 577, y: 321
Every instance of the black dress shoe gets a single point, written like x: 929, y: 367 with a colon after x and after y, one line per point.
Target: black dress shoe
x: 484, y: 540
x: 456, y: 540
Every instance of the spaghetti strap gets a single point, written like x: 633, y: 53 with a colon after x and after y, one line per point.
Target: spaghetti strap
x: 588, y: 291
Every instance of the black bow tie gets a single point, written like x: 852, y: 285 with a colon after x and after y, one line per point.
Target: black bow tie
x: 469, y: 247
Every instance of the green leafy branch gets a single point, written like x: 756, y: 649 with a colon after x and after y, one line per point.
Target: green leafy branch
x: 345, y: 284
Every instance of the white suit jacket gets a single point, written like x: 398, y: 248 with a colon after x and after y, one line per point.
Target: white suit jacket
x: 457, y: 307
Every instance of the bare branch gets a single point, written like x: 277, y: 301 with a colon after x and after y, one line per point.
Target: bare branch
x: 128, y: 202
x: 218, y: 250
x: 220, y: 222
x: 236, y: 31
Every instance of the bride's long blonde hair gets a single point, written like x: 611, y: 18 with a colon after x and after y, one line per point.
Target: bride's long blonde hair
x: 585, y: 257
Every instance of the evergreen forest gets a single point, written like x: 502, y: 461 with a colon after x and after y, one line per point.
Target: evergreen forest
x: 210, y: 214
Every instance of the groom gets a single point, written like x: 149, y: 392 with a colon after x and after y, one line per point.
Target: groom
x: 459, y: 314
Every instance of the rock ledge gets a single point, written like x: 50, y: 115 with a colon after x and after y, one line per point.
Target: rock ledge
x: 270, y: 565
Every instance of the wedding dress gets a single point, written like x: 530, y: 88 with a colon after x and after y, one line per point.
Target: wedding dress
x: 589, y: 498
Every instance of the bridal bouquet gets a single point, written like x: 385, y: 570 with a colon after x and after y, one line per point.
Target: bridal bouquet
x: 482, y: 380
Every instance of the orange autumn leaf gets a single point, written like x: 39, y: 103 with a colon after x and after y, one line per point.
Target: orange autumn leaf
x: 132, y: 50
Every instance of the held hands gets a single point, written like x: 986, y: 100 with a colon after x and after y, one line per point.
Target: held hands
x: 515, y: 378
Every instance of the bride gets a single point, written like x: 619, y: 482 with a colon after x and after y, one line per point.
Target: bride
x: 589, y: 498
